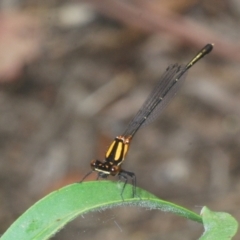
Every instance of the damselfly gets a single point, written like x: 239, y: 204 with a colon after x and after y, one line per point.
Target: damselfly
x: 163, y: 92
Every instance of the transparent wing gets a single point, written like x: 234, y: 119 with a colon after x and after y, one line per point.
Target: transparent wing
x: 163, y: 92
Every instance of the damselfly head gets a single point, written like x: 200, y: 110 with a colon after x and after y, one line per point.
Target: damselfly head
x: 104, y: 169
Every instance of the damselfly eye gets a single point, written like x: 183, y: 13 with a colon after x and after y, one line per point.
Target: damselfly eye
x: 94, y: 164
x: 114, y: 170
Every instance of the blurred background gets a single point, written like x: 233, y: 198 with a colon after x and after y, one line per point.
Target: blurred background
x: 72, y: 75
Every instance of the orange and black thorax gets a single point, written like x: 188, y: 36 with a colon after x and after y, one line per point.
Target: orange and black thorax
x: 117, y: 151
x: 114, y: 157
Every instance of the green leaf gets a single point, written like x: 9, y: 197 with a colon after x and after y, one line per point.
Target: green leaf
x: 218, y: 225
x: 51, y: 213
